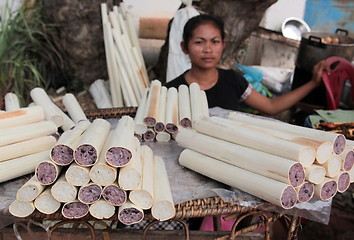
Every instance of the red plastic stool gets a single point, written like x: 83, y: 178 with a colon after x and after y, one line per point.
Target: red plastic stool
x: 338, y: 70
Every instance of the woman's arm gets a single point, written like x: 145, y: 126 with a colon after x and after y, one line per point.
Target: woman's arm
x: 275, y: 105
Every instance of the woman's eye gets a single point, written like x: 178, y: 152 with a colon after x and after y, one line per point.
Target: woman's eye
x: 216, y: 41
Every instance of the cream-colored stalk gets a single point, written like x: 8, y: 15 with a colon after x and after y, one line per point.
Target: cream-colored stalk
x: 163, y: 207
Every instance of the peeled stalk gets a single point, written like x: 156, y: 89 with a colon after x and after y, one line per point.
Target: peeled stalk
x: 161, y: 118
x: 163, y: 207
x: 17, y: 167
x: 102, y: 209
x: 102, y: 173
x: 149, y: 135
x: 77, y: 175
x: 91, y: 143
x: 143, y: 195
x: 21, y: 209
x: 130, y: 213
x: 26, y: 147
x: 347, y: 157
x: 114, y: 195
x: 22, y: 116
x: 46, y: 203
x: 268, y: 165
x: 74, y: 210
x: 270, y: 190
x: 47, y: 172
x: 305, y: 192
x: 172, y: 118
x: 130, y: 175
x: 343, y: 181
x: 140, y: 127
x: 326, y: 189
x: 63, y: 191
x: 315, y: 173
x: 184, y: 106
x: 30, y: 190
x: 11, y: 102
x: 25, y: 132
x: 89, y: 193
x: 332, y: 165
x: 196, y: 104
x: 120, y: 147
x: 163, y: 137
x: 217, y: 128
x: 338, y: 140
x: 73, y: 107
x: 152, y: 103
x: 62, y: 153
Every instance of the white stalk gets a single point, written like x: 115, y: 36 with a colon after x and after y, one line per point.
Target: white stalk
x: 338, y: 140
x: 130, y: 175
x: 332, y: 165
x: 63, y: 191
x: 89, y: 193
x: 91, y: 143
x: 305, y: 192
x: 343, y: 181
x: 101, y: 173
x: 11, y: 102
x: 163, y: 208
x: 62, y: 153
x: 40, y: 98
x: 326, y: 189
x: 268, y: 165
x: 143, y: 196
x: 25, y: 132
x: 172, y: 118
x: 22, y: 116
x: 26, y: 147
x: 77, y: 175
x: 102, y: 209
x: 163, y: 137
x: 270, y: 190
x: 17, y: 167
x: 75, y: 210
x: 21, y: 209
x: 130, y: 213
x: 149, y: 135
x: 114, y: 195
x: 315, y: 173
x: 184, y: 106
x: 30, y: 190
x: 46, y: 203
x: 216, y: 127
x: 140, y: 127
x: 161, y: 117
x: 47, y: 172
x: 119, y: 151
x: 347, y: 157
x: 196, y: 105
x: 73, y: 107
x: 152, y: 103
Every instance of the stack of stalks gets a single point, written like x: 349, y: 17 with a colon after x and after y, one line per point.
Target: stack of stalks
x: 98, y: 171
x: 162, y: 112
x: 275, y: 161
x: 126, y: 68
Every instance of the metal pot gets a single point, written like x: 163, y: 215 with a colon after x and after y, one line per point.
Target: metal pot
x: 312, y: 49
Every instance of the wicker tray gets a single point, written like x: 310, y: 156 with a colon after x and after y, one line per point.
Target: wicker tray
x: 212, y: 206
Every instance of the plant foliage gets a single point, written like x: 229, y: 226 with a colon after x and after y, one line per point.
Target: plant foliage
x: 29, y: 52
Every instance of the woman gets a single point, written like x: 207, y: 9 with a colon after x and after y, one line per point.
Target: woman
x: 203, y: 41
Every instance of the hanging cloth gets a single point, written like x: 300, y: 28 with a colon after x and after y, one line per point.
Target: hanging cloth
x: 177, y: 61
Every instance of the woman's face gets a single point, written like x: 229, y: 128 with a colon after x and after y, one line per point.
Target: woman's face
x: 205, y: 47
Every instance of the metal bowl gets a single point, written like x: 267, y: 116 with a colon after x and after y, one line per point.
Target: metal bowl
x: 294, y: 28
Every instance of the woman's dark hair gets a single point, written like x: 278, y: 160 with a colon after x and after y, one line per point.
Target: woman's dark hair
x: 198, y: 20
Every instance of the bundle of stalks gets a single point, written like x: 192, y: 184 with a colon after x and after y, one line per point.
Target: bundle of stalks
x: 163, y: 111
x: 126, y: 68
x: 293, y: 167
